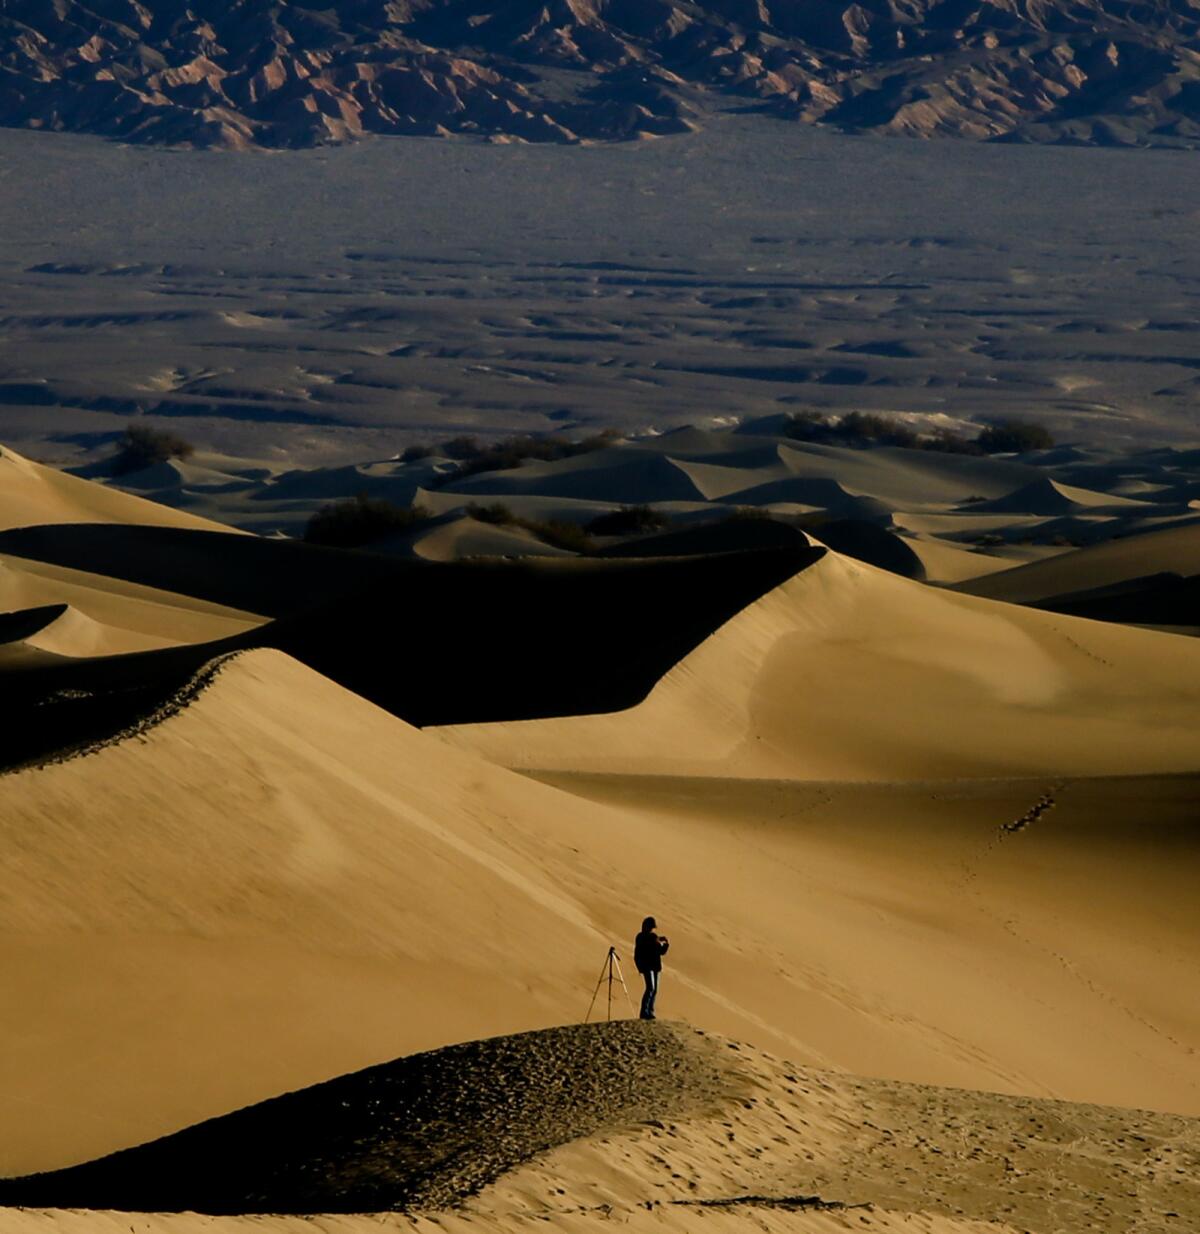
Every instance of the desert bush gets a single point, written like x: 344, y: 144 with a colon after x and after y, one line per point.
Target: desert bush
x: 1014, y: 437
x: 862, y: 429
x: 143, y: 445
x: 473, y: 457
x: 747, y: 514
x: 497, y: 513
x: 561, y: 534
x: 556, y: 532
x: 460, y: 447
x: 360, y: 520
x: 414, y: 454
x: 866, y: 427
x: 944, y: 441
x: 627, y: 521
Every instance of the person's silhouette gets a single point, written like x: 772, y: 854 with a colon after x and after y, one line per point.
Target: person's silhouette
x: 648, y: 951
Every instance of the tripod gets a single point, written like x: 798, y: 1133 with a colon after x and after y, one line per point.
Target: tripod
x: 611, y: 969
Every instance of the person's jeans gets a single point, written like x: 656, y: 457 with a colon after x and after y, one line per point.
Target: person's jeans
x: 651, y: 980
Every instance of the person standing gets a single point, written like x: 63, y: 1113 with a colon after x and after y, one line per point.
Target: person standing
x: 648, y: 951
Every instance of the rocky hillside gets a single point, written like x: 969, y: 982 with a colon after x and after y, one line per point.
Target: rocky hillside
x: 271, y: 73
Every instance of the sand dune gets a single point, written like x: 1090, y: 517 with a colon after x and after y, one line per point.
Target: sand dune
x: 420, y: 1133
x: 654, y: 1127
x: 1048, y: 497
x: 626, y: 476
x: 908, y: 478
x: 136, y: 617
x: 1174, y: 550
x: 33, y: 494
x: 891, y: 829
x: 210, y: 567
x: 463, y: 538
x: 542, y: 636
x: 846, y: 672
x: 952, y: 563
x: 56, y: 631
x: 315, y: 887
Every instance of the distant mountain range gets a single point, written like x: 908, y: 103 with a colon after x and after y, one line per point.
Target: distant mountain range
x: 242, y: 73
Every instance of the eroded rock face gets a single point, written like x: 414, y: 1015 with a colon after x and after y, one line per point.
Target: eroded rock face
x: 270, y: 73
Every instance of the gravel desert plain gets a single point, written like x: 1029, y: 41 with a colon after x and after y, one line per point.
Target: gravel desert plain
x: 473, y: 475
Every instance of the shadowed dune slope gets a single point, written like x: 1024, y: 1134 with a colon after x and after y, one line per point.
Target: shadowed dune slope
x: 1165, y: 601
x: 32, y: 494
x: 529, y: 638
x: 444, y: 642
x: 486, y: 641
x: 220, y: 566
x: 422, y: 1132
x: 277, y: 883
x: 846, y: 672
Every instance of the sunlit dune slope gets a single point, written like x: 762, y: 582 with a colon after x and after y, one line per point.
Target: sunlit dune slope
x: 32, y: 494
x: 846, y: 672
x: 277, y: 883
x: 1174, y: 550
x: 57, y: 631
x: 135, y: 617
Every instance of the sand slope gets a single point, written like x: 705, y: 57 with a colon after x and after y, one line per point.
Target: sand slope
x: 846, y: 672
x: 281, y: 883
x: 1174, y: 549
x: 136, y: 617
x: 654, y: 1128
x: 33, y: 494
x: 58, y: 631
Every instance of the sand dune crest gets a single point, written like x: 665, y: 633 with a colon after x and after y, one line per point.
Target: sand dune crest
x: 849, y: 673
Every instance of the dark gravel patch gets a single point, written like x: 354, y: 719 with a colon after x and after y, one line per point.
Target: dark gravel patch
x: 423, y: 1132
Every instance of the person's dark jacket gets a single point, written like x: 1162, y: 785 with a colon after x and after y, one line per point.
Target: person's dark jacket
x: 648, y: 952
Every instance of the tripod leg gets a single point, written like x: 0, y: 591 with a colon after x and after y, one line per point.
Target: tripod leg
x: 611, y: 954
x: 621, y: 978
x: 595, y: 994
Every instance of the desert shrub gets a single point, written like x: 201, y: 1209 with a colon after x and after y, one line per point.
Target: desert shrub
x: 460, y: 447
x: 627, y: 521
x: 497, y: 513
x: 414, y: 454
x: 556, y: 532
x: 863, y: 429
x: 747, y: 514
x: 560, y: 534
x: 473, y: 457
x: 1014, y: 437
x: 944, y: 441
x: 861, y: 426
x: 360, y: 520
x: 143, y: 445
